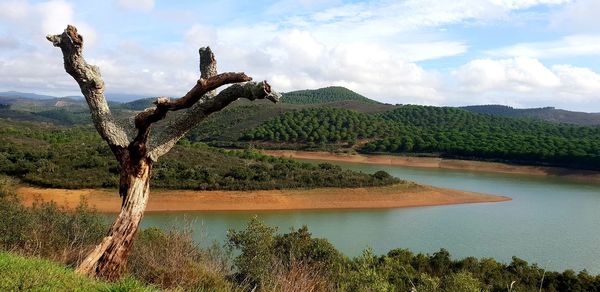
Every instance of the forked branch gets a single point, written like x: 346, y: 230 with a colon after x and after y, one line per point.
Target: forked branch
x: 91, y: 84
x: 201, y: 100
x: 207, y: 103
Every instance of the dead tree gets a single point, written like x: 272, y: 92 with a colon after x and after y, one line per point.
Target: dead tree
x: 135, y: 152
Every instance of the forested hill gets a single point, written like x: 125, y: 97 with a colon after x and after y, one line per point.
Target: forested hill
x: 76, y: 157
x: 324, y: 95
x: 335, y: 117
x: 444, y: 131
x: 544, y: 113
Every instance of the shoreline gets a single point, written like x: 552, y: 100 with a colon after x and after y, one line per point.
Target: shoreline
x: 388, y: 197
x: 441, y: 163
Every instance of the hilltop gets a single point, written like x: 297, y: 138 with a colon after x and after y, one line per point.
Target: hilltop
x: 550, y: 114
x: 324, y: 95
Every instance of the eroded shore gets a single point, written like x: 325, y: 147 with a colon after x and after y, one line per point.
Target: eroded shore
x: 396, y: 196
x: 436, y: 162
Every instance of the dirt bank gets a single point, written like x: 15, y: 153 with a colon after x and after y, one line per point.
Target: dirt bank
x: 397, y: 196
x: 435, y: 162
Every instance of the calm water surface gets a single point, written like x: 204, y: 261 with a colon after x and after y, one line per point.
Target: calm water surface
x: 551, y: 221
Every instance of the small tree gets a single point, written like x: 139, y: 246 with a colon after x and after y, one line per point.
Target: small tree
x: 132, y: 146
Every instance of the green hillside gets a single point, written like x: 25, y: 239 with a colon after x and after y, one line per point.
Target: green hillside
x: 323, y: 125
x: 138, y: 104
x: 549, y: 114
x: 323, y: 95
x: 448, y: 132
x: 335, y: 117
x: 76, y: 157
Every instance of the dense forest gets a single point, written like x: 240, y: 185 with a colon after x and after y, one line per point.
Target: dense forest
x: 324, y: 125
x: 443, y: 131
x: 550, y: 114
x: 336, y: 118
x: 76, y: 157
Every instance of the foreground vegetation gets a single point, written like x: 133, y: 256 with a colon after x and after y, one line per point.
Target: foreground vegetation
x: 256, y: 258
x: 19, y: 273
x: 448, y: 132
x: 51, y: 156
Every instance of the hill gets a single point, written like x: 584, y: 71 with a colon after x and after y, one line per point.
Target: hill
x: 443, y: 131
x: 76, y: 157
x: 17, y: 94
x: 60, y: 111
x: 227, y: 125
x: 324, y: 95
x: 549, y: 114
x: 337, y: 118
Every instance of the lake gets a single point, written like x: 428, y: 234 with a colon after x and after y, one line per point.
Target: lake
x: 550, y: 221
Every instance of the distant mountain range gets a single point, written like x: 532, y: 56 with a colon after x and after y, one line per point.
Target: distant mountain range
x: 334, y: 96
x: 114, y: 97
x: 550, y: 114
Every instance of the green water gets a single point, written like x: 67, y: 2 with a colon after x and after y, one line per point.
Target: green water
x: 551, y: 221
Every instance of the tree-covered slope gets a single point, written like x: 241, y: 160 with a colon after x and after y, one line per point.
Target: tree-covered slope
x: 549, y: 114
x: 323, y: 125
x: 441, y: 131
x: 51, y: 156
x: 323, y: 95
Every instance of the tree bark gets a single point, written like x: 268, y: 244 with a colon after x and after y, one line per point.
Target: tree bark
x: 108, y: 260
x: 137, y: 154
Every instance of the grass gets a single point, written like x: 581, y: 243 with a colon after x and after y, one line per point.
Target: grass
x: 34, y: 274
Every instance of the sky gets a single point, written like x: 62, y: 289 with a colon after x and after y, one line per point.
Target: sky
x: 521, y: 53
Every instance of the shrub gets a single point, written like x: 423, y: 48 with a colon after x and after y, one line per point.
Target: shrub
x: 256, y: 245
x: 46, y: 230
x: 173, y: 260
x: 7, y: 186
x: 461, y: 282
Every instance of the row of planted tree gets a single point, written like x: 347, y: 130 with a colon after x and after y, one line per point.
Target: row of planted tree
x: 437, y: 130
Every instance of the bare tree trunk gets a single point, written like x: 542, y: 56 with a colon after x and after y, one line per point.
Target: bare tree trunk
x: 136, y: 154
x: 108, y: 260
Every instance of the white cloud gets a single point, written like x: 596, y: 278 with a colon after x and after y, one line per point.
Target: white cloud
x: 577, y: 80
x: 569, y: 46
x: 201, y: 36
x: 14, y: 10
x: 55, y: 15
x: 369, y: 69
x: 525, y: 81
x: 516, y: 74
x: 520, y: 4
x: 371, y: 47
x: 28, y: 61
x: 141, y: 5
x: 580, y: 16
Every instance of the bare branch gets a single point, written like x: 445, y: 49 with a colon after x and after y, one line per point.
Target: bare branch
x: 184, y: 123
x: 208, y: 66
x: 204, y: 88
x: 91, y: 84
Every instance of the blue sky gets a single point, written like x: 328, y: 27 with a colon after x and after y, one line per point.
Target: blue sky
x: 523, y: 53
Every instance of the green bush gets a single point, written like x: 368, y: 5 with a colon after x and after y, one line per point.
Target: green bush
x: 48, y: 231
x: 256, y: 251
x: 172, y: 260
x: 7, y: 186
x: 461, y: 282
